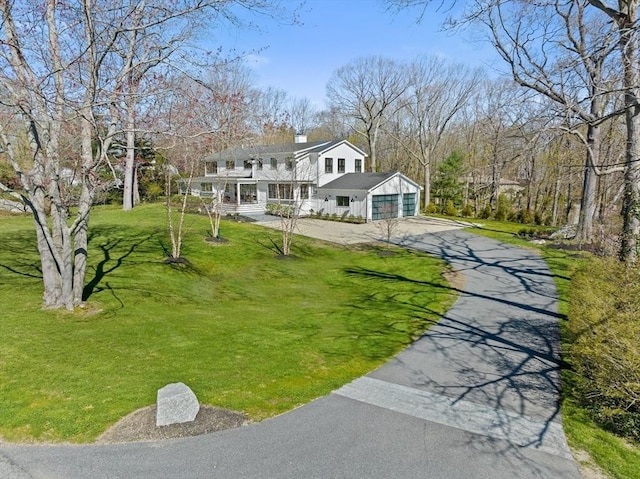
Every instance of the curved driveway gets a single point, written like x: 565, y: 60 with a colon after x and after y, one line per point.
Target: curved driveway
x: 476, y: 397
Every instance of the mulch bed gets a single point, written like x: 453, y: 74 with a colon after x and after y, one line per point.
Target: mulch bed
x: 141, y: 425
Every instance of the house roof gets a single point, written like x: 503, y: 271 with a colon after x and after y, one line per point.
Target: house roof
x: 326, y: 147
x: 264, y: 150
x: 359, y: 181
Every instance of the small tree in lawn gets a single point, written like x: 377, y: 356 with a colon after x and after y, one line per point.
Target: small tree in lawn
x: 214, y: 209
x: 289, y: 212
x: 290, y: 194
x: 176, y: 226
x: 388, y: 224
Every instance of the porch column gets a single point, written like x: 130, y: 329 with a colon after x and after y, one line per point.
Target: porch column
x: 238, y: 194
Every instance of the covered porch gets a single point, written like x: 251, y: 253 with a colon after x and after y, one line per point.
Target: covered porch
x: 241, y: 196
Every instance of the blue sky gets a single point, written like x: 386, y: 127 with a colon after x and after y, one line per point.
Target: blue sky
x: 301, y: 58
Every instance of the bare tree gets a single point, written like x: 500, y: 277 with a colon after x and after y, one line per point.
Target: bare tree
x: 55, y: 78
x: 436, y: 93
x: 214, y: 210
x: 142, y: 46
x: 302, y: 115
x: 369, y: 90
x: 388, y: 224
x: 625, y: 16
x: 270, y: 117
x: 61, y: 70
x: 559, y: 50
x: 290, y: 191
x: 176, y: 226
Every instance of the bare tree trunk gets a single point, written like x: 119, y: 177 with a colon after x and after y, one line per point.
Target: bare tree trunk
x: 129, y: 166
x: 496, y: 177
x: 373, y: 156
x: 427, y: 184
x: 584, y: 231
x: 556, y: 201
x: 630, y: 44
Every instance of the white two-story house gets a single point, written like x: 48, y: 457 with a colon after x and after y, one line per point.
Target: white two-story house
x: 249, y: 178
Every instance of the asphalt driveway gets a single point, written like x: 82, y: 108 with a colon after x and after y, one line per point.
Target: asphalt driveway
x: 476, y: 397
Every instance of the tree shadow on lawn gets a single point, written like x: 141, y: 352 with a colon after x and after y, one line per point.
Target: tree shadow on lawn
x: 116, y: 246
x: 499, y: 345
x: 19, y: 255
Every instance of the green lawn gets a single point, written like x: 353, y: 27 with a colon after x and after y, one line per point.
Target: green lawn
x: 616, y: 457
x: 243, y: 328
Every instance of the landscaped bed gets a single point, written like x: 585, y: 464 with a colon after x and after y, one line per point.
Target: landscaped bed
x: 245, y: 330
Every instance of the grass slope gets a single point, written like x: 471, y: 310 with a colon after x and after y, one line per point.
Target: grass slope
x: 244, y: 329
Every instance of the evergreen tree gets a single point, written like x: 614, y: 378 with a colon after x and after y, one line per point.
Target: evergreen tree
x: 447, y: 185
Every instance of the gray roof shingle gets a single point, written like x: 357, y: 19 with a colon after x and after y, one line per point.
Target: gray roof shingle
x: 265, y: 150
x: 358, y: 181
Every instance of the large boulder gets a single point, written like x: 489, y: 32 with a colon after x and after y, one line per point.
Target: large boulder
x: 176, y: 404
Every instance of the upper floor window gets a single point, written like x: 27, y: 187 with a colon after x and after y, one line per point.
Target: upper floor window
x: 274, y: 164
x: 341, y: 164
x: 231, y: 165
x: 212, y: 167
x: 288, y: 163
x: 358, y: 167
x: 247, y: 164
x: 328, y: 165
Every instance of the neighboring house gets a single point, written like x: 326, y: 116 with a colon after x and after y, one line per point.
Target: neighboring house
x: 485, y: 183
x: 250, y: 178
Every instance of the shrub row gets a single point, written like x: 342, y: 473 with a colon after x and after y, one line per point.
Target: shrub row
x: 504, y: 211
x: 604, y: 329
x: 278, y: 209
x: 344, y: 217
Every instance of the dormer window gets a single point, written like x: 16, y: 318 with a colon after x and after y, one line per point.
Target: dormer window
x: 212, y: 167
x: 288, y: 164
x: 247, y: 164
x: 274, y: 163
x: 231, y: 165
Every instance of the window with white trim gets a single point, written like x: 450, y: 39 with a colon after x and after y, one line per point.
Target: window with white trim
x: 280, y: 191
x: 328, y: 165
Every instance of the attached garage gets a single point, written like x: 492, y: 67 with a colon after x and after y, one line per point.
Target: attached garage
x: 384, y: 206
x: 372, y: 196
x: 409, y: 204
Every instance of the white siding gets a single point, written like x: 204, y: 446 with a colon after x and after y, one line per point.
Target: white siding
x: 340, y: 151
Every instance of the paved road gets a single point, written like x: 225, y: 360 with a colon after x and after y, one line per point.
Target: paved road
x: 476, y: 397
